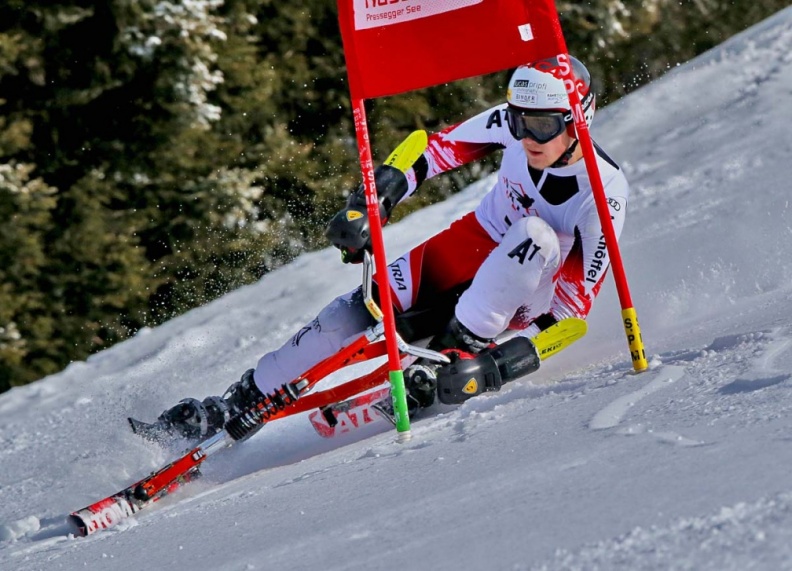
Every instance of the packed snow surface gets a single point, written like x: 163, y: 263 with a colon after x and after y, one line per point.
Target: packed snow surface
x: 583, y: 465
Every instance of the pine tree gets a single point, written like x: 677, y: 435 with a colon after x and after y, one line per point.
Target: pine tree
x: 25, y: 209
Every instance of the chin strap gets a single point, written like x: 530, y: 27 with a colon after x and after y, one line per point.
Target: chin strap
x: 563, y: 160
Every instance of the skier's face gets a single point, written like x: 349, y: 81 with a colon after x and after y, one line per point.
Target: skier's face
x: 540, y: 156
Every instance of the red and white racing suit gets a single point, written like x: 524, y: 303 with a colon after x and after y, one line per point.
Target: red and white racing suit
x: 531, y: 253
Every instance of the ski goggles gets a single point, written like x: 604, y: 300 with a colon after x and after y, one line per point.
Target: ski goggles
x: 539, y: 126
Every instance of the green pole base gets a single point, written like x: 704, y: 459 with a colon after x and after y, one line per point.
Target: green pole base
x: 399, y: 396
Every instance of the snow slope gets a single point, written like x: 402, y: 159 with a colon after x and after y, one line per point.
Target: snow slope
x: 583, y: 465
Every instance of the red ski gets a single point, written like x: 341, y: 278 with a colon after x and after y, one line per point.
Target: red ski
x: 348, y: 415
x: 126, y: 503
x: 111, y: 510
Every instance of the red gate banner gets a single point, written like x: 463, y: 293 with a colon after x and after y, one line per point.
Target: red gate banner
x: 394, y: 46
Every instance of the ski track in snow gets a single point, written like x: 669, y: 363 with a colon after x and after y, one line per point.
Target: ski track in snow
x: 613, y: 414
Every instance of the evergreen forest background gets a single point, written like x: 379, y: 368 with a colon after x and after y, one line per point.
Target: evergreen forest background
x: 156, y: 154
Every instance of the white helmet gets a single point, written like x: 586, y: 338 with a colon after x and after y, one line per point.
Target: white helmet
x: 537, y: 90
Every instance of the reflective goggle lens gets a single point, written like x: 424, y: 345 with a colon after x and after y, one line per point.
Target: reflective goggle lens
x: 541, y: 127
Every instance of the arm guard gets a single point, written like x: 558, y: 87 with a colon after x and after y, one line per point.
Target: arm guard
x: 349, y: 230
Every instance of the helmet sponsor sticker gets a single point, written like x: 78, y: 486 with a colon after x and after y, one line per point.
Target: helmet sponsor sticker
x: 529, y: 84
x: 353, y: 215
x: 377, y: 13
x: 524, y: 98
x: 561, y: 99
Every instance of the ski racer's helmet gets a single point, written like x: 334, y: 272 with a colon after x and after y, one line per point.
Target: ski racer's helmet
x: 538, y: 104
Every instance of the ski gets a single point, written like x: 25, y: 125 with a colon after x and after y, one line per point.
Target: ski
x: 124, y: 504
x: 559, y: 336
x: 348, y: 415
x: 113, y: 509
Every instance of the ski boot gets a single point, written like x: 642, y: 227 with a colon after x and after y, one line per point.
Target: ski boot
x: 420, y: 378
x: 196, y: 420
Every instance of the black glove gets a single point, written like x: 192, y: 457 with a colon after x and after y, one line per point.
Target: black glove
x: 349, y: 230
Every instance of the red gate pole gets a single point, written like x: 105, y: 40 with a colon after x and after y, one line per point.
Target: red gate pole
x: 629, y: 315
x: 396, y: 375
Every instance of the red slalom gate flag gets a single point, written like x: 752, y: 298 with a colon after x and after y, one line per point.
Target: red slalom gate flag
x: 394, y: 46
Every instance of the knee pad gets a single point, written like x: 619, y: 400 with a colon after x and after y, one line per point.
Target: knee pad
x: 518, y: 272
x: 530, y: 237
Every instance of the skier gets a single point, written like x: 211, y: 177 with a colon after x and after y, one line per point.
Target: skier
x: 531, y: 254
